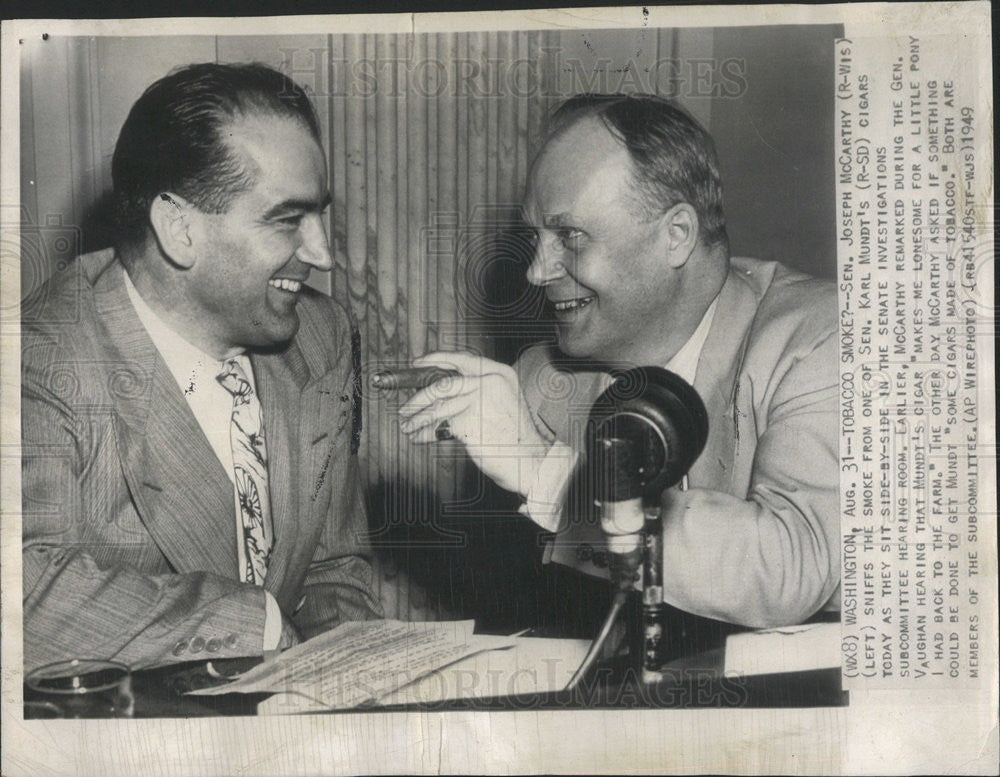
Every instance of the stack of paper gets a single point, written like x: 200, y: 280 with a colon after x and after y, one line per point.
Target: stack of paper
x: 534, y: 665
x: 358, y: 663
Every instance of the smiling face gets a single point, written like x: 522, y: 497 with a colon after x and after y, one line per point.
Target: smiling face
x: 605, y: 270
x: 254, y: 258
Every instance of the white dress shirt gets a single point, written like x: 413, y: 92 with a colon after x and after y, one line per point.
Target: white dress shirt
x: 212, y: 405
x: 548, y: 490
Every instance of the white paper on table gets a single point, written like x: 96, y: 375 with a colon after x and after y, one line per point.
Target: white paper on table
x: 534, y: 665
x: 360, y: 661
x: 786, y: 649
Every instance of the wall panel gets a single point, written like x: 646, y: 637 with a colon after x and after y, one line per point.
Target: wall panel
x: 54, y: 144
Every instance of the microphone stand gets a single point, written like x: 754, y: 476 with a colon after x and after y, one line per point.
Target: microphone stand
x: 654, y: 609
x: 644, y: 433
x: 634, y: 553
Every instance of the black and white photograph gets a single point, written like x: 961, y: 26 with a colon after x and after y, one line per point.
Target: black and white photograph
x: 605, y: 390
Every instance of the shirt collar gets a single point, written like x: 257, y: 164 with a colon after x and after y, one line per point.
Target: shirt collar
x: 685, y: 362
x: 187, y: 362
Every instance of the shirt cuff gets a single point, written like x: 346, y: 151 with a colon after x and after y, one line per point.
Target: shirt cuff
x: 272, y: 622
x: 548, y: 489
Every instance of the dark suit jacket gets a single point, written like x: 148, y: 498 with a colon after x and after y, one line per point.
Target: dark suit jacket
x: 756, y: 539
x: 129, y: 542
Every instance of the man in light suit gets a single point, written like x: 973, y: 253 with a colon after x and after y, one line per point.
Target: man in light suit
x: 190, y: 483
x: 625, y: 200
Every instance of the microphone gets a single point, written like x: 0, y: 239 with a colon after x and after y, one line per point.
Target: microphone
x: 643, y: 435
x: 648, y: 428
x: 410, y: 378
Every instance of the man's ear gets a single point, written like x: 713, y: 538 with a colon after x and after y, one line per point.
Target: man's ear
x: 170, y: 216
x: 680, y: 225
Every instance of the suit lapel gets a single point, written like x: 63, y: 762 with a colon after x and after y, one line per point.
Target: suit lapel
x: 193, y: 515
x: 279, y: 378
x: 182, y: 494
x: 298, y: 395
x: 716, y: 380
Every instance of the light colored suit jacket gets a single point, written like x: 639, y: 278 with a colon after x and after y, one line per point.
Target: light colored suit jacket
x: 756, y: 539
x: 129, y: 529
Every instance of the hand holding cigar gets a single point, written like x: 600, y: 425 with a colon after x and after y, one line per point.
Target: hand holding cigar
x: 410, y: 377
x: 481, y: 406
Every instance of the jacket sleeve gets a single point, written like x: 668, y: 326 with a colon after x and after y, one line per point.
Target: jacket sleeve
x: 773, y: 558
x: 80, y: 596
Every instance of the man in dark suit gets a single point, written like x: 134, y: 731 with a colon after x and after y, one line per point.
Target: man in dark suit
x: 625, y: 200
x: 190, y: 488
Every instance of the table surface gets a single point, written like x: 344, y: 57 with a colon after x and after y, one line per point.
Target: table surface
x: 693, y: 682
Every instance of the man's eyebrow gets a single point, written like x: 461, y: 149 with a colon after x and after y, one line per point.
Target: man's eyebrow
x: 556, y: 220
x: 309, y: 206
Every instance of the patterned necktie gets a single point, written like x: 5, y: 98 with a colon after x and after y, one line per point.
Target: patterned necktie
x: 246, y: 435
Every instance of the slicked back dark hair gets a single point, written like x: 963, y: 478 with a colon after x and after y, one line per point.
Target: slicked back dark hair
x: 674, y: 157
x: 174, y: 139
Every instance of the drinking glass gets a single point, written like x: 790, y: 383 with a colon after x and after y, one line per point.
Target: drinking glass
x: 79, y: 688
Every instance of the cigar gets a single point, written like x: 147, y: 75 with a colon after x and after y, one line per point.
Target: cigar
x: 410, y: 378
